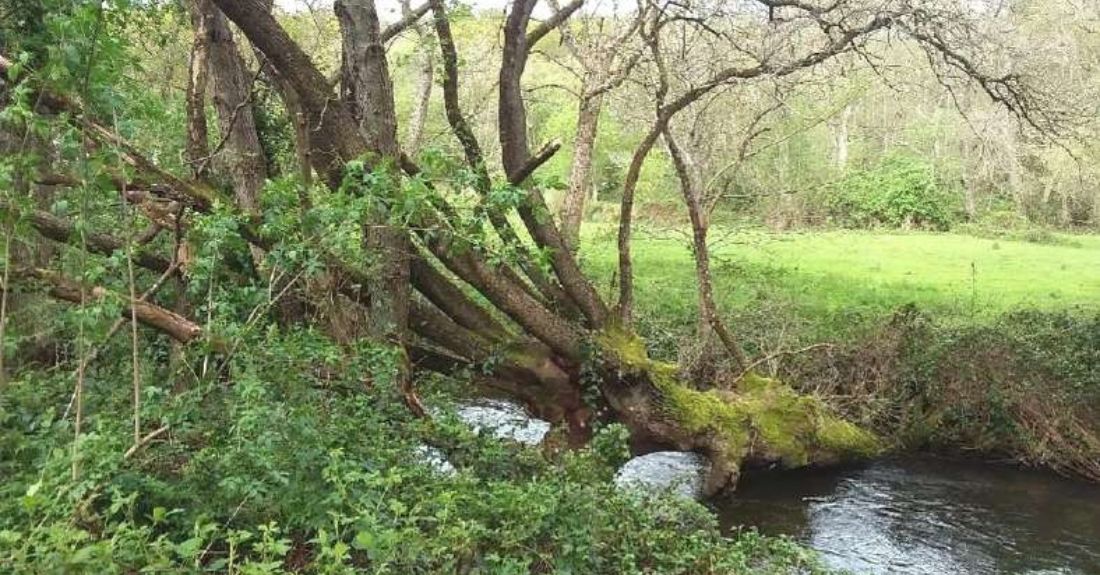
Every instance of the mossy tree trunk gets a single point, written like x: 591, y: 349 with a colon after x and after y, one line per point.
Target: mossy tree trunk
x: 758, y: 421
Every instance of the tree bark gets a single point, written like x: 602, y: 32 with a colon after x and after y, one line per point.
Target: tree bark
x: 243, y: 156
x: 970, y: 199
x: 549, y: 290
x: 60, y: 230
x: 626, y: 222
x: 166, y: 321
x: 334, y: 134
x: 368, y: 92
x: 580, y: 171
x: 733, y: 427
x: 198, y: 141
x: 691, y: 187
x: 515, y: 154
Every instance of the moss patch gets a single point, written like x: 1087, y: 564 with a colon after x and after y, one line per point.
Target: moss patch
x: 763, y: 417
x: 626, y: 347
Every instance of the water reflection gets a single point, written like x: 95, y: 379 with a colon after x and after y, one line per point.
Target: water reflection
x: 928, y: 516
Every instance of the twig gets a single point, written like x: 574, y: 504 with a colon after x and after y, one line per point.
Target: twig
x: 118, y: 324
x: 772, y: 356
x: 8, y: 231
x: 224, y: 525
x: 144, y: 442
x: 253, y: 318
x: 78, y: 395
x: 204, y: 163
x: 94, y: 492
x: 134, y: 354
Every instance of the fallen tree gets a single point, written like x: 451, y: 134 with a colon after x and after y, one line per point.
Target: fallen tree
x: 447, y: 294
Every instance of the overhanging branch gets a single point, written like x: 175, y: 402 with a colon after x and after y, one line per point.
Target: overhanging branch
x: 405, y: 23
x: 552, y: 22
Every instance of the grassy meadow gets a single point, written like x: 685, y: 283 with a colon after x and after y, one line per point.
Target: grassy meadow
x: 835, y: 281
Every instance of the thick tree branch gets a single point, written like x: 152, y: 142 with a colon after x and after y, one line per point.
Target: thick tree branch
x: 691, y: 187
x: 61, y: 230
x: 170, y: 186
x: 534, y: 162
x: 188, y: 193
x: 515, y: 153
x: 334, y: 134
x: 555, y: 20
x: 439, y: 290
x: 475, y: 159
x: 406, y: 22
x: 232, y: 97
x: 163, y: 320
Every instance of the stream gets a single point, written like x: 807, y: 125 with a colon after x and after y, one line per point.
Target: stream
x: 927, y: 516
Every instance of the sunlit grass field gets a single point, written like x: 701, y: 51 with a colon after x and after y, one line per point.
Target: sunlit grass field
x: 833, y: 278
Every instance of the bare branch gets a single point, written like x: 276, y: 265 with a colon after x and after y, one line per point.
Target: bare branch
x: 408, y: 21
x: 166, y: 321
x: 540, y: 158
x: 553, y: 21
x: 60, y: 230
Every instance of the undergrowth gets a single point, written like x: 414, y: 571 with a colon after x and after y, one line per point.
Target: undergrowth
x: 280, y: 462
x: 1024, y: 386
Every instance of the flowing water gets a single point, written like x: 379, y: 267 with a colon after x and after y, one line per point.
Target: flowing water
x: 928, y: 516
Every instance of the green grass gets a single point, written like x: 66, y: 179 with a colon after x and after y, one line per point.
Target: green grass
x: 833, y: 280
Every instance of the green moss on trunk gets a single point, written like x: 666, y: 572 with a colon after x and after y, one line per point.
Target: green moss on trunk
x: 762, y: 418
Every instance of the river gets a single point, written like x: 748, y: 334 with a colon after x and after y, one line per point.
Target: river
x: 928, y: 516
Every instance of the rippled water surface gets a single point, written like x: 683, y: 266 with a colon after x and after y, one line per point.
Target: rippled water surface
x: 928, y: 516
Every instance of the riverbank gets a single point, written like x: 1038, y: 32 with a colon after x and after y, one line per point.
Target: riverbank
x: 291, y: 467
x: 942, y: 342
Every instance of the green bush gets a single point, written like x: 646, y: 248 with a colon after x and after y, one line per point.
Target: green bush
x: 276, y: 469
x: 899, y: 192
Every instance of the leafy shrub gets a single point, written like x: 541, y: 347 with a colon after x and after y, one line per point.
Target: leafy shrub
x: 899, y: 192
x: 278, y: 468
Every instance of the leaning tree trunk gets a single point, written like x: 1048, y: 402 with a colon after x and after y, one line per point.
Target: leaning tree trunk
x: 580, y: 171
x: 369, y: 93
x: 543, y: 334
x: 198, y: 141
x: 239, y: 151
x: 759, y: 420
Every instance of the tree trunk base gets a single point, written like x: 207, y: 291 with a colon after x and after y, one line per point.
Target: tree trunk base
x: 760, y: 421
